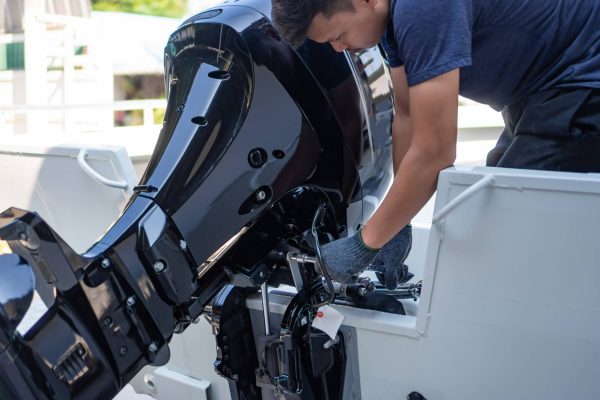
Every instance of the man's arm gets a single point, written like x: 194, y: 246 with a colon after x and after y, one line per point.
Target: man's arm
x: 432, y: 114
x: 401, y: 132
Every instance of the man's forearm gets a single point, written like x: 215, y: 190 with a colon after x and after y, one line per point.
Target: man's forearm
x: 401, y: 137
x: 414, y: 184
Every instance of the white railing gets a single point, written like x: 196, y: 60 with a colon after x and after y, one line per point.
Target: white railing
x: 124, y: 105
x: 60, y: 111
x: 6, y: 38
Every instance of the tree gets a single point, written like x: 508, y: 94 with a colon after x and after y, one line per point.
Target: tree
x: 163, y: 8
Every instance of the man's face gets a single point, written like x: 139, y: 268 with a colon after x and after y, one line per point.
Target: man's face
x: 351, y: 30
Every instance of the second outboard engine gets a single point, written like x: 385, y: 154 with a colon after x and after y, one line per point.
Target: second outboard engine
x: 253, y: 169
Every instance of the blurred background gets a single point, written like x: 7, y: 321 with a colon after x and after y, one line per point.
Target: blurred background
x: 91, y: 71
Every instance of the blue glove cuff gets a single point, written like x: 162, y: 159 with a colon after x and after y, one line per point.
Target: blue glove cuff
x: 362, y: 242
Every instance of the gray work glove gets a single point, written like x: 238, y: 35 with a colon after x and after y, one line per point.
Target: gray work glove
x: 389, y: 264
x: 346, y: 258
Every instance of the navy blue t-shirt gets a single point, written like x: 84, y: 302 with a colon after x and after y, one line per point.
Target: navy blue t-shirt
x: 505, y: 49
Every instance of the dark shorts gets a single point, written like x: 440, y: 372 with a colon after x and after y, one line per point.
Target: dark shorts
x: 557, y: 130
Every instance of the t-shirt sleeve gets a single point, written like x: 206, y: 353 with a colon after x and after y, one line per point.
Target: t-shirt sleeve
x: 432, y: 37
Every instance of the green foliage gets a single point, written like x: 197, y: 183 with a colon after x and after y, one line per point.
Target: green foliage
x: 163, y: 8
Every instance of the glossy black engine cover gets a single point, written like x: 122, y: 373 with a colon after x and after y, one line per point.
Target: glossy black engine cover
x: 248, y: 119
x: 236, y: 135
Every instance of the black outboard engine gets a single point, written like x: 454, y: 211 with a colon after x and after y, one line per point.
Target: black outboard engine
x: 259, y: 158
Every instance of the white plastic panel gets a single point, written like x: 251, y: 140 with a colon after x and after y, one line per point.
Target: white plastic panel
x: 167, y: 384
x: 510, y: 302
x: 49, y: 180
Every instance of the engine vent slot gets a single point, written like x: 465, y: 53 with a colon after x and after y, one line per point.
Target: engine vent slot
x: 200, y: 121
x: 219, y: 74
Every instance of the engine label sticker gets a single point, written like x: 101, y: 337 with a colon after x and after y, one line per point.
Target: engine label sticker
x: 328, y: 320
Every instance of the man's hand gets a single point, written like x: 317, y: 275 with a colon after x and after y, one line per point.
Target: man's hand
x: 389, y: 264
x: 346, y: 258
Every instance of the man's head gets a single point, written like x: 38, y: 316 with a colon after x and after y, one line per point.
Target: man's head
x: 345, y: 24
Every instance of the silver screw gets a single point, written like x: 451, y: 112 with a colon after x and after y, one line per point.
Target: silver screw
x: 159, y: 267
x: 153, y: 348
x: 131, y: 301
x: 261, y: 274
x: 261, y: 195
x: 328, y: 344
x: 23, y: 236
x: 183, y: 245
x: 362, y: 291
x: 106, y: 263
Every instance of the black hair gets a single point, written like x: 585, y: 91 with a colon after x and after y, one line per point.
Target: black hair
x: 292, y: 18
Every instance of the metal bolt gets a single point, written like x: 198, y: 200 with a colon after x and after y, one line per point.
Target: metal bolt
x: 328, y: 344
x: 261, y: 195
x: 107, y: 321
x: 183, y: 245
x: 131, y: 301
x: 159, y: 267
x: 105, y: 263
x: 23, y: 236
x: 153, y: 348
x: 362, y: 291
x: 257, y: 158
x: 123, y: 351
x: 261, y: 274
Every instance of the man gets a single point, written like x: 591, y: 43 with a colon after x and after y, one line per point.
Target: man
x: 536, y: 60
